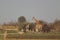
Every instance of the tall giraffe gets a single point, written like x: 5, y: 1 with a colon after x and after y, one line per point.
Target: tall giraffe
x: 38, y: 24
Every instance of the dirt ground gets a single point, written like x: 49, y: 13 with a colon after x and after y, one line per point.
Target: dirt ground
x: 33, y: 39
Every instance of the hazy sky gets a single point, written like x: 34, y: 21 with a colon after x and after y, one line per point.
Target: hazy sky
x: 47, y: 10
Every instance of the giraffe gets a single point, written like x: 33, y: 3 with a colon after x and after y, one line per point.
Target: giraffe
x: 38, y: 24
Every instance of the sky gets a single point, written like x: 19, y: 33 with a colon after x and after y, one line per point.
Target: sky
x: 47, y: 10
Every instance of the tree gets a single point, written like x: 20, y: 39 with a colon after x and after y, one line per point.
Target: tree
x: 45, y: 26
x: 22, y: 23
x: 32, y: 27
x: 56, y: 25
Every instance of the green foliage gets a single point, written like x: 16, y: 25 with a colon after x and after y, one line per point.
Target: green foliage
x: 21, y: 19
x: 22, y: 23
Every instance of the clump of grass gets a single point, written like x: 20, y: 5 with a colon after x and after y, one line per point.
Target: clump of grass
x: 2, y: 31
x: 1, y: 37
x: 35, y: 35
x: 11, y: 31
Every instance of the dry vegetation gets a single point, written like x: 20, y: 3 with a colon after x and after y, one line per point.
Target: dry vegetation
x: 54, y: 32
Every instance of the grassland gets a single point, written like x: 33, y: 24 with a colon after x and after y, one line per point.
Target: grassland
x: 13, y: 34
x: 31, y: 35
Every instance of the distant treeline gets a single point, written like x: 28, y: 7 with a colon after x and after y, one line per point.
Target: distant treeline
x: 22, y: 23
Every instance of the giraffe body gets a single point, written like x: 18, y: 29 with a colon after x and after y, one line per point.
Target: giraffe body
x: 38, y: 24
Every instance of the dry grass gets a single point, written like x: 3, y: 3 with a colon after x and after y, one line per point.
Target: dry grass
x: 32, y: 39
x: 36, y: 36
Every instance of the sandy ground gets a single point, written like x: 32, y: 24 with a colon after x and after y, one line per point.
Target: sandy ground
x: 33, y: 39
